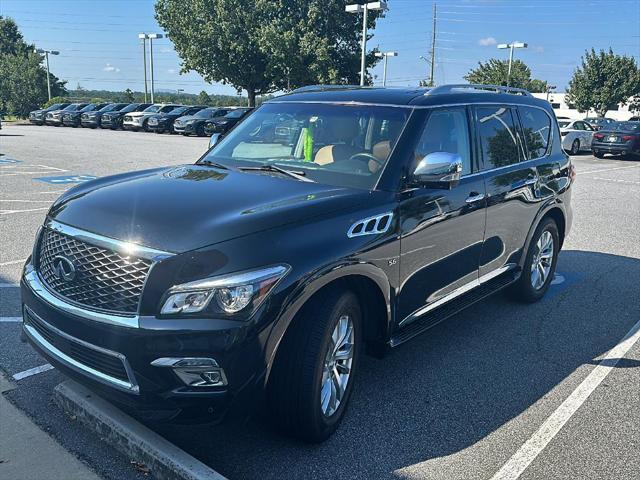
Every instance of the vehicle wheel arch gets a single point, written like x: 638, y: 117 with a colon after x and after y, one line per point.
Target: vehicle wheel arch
x: 553, y: 210
x: 368, y: 282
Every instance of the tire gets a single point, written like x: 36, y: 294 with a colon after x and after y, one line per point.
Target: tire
x: 303, y: 366
x: 598, y: 154
x: 200, y: 131
x: 145, y: 127
x: 575, y: 147
x: 525, y: 288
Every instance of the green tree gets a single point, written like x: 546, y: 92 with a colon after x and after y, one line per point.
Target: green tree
x: 266, y: 45
x: 495, y: 72
x: 23, y: 79
x: 128, y: 96
x: 603, y: 81
x: 204, y: 98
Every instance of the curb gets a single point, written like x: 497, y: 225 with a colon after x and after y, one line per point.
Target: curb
x: 130, y: 437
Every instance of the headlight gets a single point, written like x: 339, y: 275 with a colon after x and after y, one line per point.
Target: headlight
x: 238, y: 293
x: 187, y: 122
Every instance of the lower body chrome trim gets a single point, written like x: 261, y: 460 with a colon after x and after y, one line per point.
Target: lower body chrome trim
x: 130, y: 387
x: 456, y: 293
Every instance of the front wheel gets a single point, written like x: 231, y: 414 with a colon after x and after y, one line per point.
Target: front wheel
x: 540, y: 264
x: 312, y: 377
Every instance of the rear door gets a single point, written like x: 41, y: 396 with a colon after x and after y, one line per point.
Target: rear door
x: 510, y: 182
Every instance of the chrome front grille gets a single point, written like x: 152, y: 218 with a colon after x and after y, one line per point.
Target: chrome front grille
x: 103, y: 279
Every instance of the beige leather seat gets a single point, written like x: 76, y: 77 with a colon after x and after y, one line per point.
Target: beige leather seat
x: 342, y: 131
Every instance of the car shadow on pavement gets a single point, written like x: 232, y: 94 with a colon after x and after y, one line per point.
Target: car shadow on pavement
x: 450, y: 388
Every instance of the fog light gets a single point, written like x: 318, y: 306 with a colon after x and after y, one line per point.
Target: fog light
x: 195, y: 372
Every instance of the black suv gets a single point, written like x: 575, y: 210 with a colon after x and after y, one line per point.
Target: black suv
x: 271, y: 263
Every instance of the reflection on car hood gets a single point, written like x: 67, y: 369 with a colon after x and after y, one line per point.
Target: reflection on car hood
x: 187, y: 207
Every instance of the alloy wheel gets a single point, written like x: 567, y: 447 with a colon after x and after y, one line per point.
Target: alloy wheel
x: 336, y: 370
x: 575, y: 147
x: 542, y: 260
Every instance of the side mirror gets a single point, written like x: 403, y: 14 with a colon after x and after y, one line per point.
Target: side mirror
x: 438, y: 169
x: 215, y: 139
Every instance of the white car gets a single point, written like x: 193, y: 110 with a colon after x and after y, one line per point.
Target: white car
x: 138, y: 120
x: 576, y: 135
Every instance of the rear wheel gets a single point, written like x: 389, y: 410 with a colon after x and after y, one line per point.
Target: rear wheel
x: 312, y: 376
x: 575, y: 147
x: 540, y: 264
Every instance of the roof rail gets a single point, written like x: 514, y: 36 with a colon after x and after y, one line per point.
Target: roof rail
x: 317, y: 88
x: 473, y: 86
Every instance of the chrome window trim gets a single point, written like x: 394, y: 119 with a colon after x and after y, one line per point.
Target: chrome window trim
x: 34, y: 335
x: 456, y: 293
x: 120, y: 246
x: 32, y: 280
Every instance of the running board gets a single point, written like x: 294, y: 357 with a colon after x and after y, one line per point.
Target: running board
x: 434, y: 317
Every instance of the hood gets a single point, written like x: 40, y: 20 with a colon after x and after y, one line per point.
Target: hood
x: 140, y: 114
x: 183, y: 208
x: 186, y: 118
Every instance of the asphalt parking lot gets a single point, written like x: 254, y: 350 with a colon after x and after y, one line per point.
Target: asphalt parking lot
x: 481, y: 392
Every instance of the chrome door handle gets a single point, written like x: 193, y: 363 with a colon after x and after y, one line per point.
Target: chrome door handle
x: 475, y: 197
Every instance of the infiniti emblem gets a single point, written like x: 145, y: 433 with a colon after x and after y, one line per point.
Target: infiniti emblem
x: 64, y: 268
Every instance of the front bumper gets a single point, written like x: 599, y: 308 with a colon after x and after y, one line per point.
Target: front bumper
x: 36, y: 120
x: 71, y: 121
x: 116, y: 360
x: 91, y: 122
x: 111, y: 122
x: 53, y: 121
x: 184, y: 128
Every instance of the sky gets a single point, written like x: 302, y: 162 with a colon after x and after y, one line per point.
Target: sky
x: 99, y: 46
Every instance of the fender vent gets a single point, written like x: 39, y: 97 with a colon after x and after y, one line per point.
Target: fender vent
x: 371, y: 225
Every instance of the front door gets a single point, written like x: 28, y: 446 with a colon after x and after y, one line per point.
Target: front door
x: 441, y: 230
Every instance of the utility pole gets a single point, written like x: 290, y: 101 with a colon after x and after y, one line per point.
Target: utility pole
x: 433, y: 46
x: 143, y: 36
x: 357, y: 8
x: 46, y: 57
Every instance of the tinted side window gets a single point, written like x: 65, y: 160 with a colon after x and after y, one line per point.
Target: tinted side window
x: 536, y: 127
x: 498, y: 137
x: 446, y: 131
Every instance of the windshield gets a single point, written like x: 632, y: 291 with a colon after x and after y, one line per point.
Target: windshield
x: 152, y: 108
x: 108, y: 108
x: 205, y: 113
x: 89, y: 108
x: 179, y: 110
x: 342, y: 145
x: 167, y: 108
x: 130, y: 108
x: 70, y: 108
x: 55, y: 106
x: 626, y: 127
x: 235, y: 113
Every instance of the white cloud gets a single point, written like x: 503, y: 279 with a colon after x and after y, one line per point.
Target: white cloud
x: 110, y: 68
x: 487, y: 42
x: 172, y: 71
x: 538, y: 49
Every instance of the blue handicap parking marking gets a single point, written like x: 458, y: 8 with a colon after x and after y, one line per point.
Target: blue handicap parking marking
x: 66, y: 179
x: 562, y: 281
x: 8, y: 161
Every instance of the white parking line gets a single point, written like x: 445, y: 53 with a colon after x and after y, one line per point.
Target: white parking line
x: 528, y: 452
x: 630, y: 182
x: 606, y: 170
x: 13, y: 200
x: 12, y: 262
x: 11, y: 212
x: 10, y: 319
x: 33, y: 371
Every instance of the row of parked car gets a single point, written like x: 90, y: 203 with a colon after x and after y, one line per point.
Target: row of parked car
x: 601, y: 136
x: 197, y: 120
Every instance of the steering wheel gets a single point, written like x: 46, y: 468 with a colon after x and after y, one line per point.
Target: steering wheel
x: 367, y: 156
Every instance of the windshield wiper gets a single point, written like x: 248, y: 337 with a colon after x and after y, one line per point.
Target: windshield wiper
x: 213, y: 164
x: 297, y: 174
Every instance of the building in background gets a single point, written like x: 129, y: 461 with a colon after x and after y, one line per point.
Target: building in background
x: 561, y: 108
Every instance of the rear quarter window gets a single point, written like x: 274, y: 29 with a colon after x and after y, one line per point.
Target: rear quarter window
x: 536, y: 127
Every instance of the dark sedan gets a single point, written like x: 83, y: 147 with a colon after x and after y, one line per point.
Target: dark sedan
x: 54, y: 117
x: 163, y: 122
x: 37, y: 116
x: 222, y: 125
x: 621, y: 138
x: 72, y: 119
x: 113, y: 120
x: 194, y: 124
x: 93, y: 119
x: 598, y: 123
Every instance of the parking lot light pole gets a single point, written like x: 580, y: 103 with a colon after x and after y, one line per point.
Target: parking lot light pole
x: 385, y: 55
x: 46, y: 57
x: 357, y: 8
x: 511, y: 46
x: 143, y: 37
x: 152, y: 37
